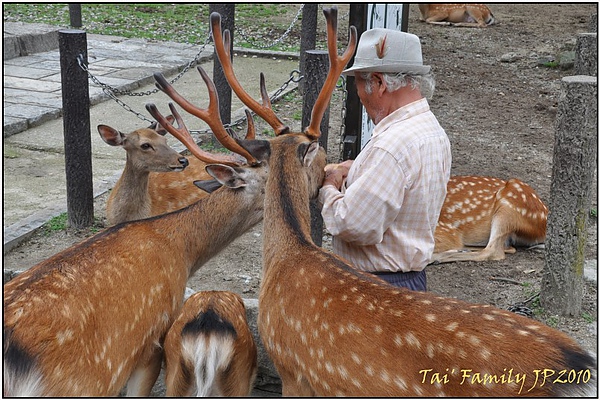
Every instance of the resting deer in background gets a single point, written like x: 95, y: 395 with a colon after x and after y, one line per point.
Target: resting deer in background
x: 488, y: 212
x: 332, y: 330
x: 92, y: 318
x: 465, y: 14
x: 209, y: 349
x: 147, y: 187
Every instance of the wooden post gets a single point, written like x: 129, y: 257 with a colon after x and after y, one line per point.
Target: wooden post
x: 76, y: 122
x: 574, y: 164
x: 308, y: 38
x: 353, y: 117
x: 75, y: 15
x: 317, y: 66
x: 586, y: 54
x: 227, y: 11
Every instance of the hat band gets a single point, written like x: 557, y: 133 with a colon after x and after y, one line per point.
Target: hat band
x: 369, y: 62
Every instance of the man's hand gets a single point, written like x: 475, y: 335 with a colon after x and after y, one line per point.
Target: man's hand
x: 335, y: 174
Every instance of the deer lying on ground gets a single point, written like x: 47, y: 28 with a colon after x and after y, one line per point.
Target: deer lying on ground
x: 332, y: 330
x: 209, y: 349
x: 466, y: 14
x: 92, y: 318
x: 483, y: 211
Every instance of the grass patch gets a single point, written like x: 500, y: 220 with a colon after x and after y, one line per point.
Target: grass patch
x: 176, y: 22
x: 10, y: 153
x: 587, y: 317
x: 58, y: 223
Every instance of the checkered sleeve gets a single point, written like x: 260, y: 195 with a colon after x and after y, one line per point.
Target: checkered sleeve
x: 369, y: 205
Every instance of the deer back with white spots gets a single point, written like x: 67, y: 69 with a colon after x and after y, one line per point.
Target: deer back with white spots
x: 465, y: 15
x: 209, y: 349
x: 482, y: 211
x: 332, y: 330
x: 92, y: 318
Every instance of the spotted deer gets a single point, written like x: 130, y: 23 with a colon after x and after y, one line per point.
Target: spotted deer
x: 147, y: 187
x: 332, y: 330
x: 92, y: 318
x: 209, y: 349
x: 465, y: 14
x: 488, y: 212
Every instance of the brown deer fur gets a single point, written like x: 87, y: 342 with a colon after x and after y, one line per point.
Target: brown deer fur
x: 147, y: 186
x: 332, y: 330
x: 488, y: 212
x: 465, y: 14
x: 209, y: 349
x: 92, y: 318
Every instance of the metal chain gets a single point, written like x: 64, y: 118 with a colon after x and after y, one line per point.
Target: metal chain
x: 246, y: 37
x: 106, y: 88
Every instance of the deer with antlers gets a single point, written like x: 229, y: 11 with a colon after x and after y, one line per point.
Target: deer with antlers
x: 332, y: 330
x: 488, y: 212
x: 465, y: 14
x: 92, y: 318
x: 209, y: 349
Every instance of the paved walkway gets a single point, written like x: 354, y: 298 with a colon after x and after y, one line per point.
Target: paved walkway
x: 33, y: 174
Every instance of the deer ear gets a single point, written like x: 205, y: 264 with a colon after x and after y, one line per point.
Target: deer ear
x: 161, y: 129
x: 208, y: 186
x: 260, y: 149
x: 226, y: 175
x: 110, y: 135
x: 308, y: 152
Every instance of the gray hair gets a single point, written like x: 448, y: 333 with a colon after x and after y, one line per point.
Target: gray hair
x: 394, y: 81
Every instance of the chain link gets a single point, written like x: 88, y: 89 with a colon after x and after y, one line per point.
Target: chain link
x: 295, y: 77
x: 105, y: 87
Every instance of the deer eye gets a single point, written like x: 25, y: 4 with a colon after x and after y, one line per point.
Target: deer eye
x: 146, y: 146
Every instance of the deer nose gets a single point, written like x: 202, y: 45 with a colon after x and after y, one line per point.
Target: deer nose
x: 184, y: 161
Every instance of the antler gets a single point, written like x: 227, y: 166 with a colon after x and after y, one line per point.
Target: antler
x: 209, y: 115
x: 222, y: 45
x: 337, y: 65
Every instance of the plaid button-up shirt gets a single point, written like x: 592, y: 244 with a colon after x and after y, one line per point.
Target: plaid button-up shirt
x: 385, y: 216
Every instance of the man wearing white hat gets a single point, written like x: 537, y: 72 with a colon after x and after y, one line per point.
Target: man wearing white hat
x: 383, y: 207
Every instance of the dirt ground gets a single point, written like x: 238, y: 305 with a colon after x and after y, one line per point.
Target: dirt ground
x: 498, y: 105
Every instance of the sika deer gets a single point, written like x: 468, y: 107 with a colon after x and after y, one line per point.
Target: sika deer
x: 332, y: 330
x: 146, y: 187
x: 209, y: 349
x: 483, y: 211
x: 92, y: 318
x: 466, y: 14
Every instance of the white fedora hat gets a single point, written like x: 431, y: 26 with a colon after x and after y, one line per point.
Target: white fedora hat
x: 388, y: 51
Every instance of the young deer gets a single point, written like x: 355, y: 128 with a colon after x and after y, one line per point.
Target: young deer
x: 481, y: 211
x: 209, y: 349
x: 332, y: 330
x: 469, y: 15
x: 147, y: 187
x: 92, y: 318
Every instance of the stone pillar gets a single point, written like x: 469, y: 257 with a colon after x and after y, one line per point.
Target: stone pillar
x: 586, y: 54
x: 573, y: 172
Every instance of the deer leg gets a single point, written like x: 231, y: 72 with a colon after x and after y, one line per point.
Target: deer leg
x: 178, y: 378
x: 294, y: 386
x: 144, y: 375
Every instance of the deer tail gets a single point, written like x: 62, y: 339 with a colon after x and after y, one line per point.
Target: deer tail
x: 208, y: 344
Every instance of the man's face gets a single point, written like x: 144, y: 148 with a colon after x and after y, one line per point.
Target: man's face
x: 371, y: 101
